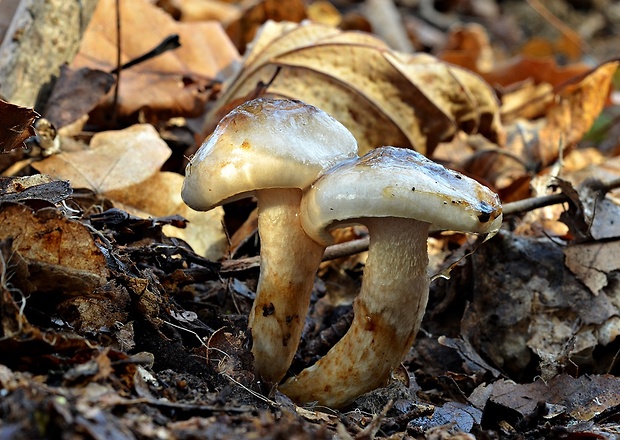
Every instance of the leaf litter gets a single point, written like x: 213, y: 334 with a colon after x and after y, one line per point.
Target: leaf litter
x: 114, y: 326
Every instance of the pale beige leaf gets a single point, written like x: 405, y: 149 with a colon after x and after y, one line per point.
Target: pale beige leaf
x: 115, y: 160
x: 593, y: 263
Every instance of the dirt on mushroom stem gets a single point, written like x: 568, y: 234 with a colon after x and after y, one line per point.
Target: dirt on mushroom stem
x: 289, y: 261
x: 388, y: 313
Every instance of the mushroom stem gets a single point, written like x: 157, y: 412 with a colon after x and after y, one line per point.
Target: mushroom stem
x: 289, y: 261
x: 388, y: 313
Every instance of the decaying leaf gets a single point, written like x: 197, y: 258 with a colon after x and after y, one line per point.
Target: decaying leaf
x: 175, y: 83
x: 35, y: 187
x: 528, y: 302
x: 594, y: 263
x: 382, y: 96
x: 458, y: 416
x: 15, y: 125
x: 160, y: 196
x: 124, y: 166
x: 60, y: 253
x: 581, y: 398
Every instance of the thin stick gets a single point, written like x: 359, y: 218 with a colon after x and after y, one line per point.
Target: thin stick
x: 558, y: 24
x: 171, y: 42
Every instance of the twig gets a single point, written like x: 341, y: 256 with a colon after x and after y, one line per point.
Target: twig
x: 252, y: 392
x: 558, y: 24
x: 371, y: 430
x: 171, y: 42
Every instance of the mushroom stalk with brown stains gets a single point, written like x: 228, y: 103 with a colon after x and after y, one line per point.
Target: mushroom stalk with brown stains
x: 272, y: 149
x: 397, y: 194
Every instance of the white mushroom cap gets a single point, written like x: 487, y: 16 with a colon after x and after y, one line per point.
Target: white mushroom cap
x: 265, y: 143
x: 397, y: 182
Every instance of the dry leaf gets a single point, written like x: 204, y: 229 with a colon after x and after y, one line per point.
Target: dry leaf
x: 578, y: 105
x: 582, y: 398
x: 257, y: 12
x: 202, y: 10
x: 115, y: 160
x: 15, y: 125
x: 382, y: 96
x: 35, y: 187
x: 75, y: 94
x: 593, y: 263
x: 175, y: 83
x: 322, y: 11
x: 60, y: 253
x: 469, y: 46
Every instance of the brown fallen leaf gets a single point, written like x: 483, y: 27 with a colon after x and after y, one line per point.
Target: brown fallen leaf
x: 254, y: 13
x: 15, y: 125
x: 469, y: 46
x: 578, y: 104
x: 60, y: 253
x: 382, y: 96
x: 202, y: 10
x: 160, y: 196
x: 174, y: 83
x: 76, y: 93
x: 534, y: 145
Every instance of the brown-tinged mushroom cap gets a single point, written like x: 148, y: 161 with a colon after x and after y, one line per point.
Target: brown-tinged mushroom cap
x: 272, y: 149
x: 265, y: 143
x: 397, y: 182
x: 397, y: 194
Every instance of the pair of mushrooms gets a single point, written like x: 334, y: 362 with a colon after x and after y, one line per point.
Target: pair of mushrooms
x: 302, y: 167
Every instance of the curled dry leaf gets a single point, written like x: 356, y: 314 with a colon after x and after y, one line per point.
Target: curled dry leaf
x: 174, y: 83
x: 15, y: 125
x: 382, y: 96
x: 124, y: 166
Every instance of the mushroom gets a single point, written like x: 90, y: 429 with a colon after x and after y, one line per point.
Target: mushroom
x: 397, y: 194
x: 271, y: 149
